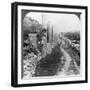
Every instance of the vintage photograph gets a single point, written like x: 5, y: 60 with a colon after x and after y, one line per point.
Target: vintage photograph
x: 50, y: 44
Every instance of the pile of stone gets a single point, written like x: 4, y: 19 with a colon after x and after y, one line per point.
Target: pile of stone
x: 29, y: 64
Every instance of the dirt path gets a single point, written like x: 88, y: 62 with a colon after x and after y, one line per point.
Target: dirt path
x: 67, y: 63
x: 69, y: 66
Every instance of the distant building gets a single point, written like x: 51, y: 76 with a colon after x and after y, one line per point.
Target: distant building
x: 33, y: 39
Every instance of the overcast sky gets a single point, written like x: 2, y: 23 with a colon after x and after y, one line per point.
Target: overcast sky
x: 60, y: 22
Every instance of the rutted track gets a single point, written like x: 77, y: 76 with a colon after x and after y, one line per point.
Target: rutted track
x: 67, y: 63
x: 70, y: 66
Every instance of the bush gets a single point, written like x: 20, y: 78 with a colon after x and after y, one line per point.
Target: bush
x: 73, y: 35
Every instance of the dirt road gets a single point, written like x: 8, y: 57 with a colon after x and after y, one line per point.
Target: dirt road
x: 69, y: 62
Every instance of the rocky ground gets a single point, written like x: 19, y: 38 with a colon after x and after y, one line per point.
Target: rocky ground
x: 58, y: 61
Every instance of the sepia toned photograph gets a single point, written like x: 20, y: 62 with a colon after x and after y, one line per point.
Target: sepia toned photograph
x: 49, y: 44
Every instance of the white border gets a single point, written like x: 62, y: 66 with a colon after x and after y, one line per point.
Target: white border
x: 49, y: 79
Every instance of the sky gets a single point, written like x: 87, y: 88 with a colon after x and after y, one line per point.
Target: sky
x: 60, y: 22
